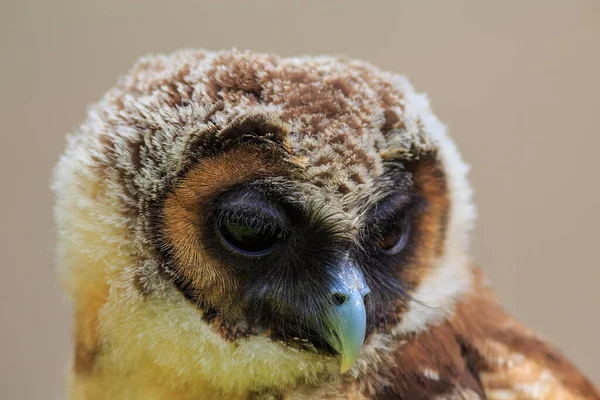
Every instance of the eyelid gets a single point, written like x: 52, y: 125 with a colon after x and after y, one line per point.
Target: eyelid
x: 252, y: 208
x: 252, y: 219
x: 390, y: 206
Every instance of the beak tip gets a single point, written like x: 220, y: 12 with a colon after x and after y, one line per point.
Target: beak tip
x: 345, y: 367
x: 348, y: 361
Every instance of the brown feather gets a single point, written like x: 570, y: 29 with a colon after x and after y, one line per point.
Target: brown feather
x: 481, y: 353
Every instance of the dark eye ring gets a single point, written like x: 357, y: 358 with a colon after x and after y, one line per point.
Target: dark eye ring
x: 395, y: 234
x: 250, y: 239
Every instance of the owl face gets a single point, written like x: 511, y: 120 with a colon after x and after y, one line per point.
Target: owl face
x: 291, y: 213
x: 262, y: 250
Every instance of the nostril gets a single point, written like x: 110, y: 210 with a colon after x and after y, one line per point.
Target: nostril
x: 340, y: 299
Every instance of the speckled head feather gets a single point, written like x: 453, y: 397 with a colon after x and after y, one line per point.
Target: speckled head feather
x: 182, y: 126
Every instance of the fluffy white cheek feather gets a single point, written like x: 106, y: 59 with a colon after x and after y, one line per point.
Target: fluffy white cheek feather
x: 450, y: 278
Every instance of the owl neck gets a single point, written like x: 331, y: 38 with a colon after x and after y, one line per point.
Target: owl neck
x: 112, y: 382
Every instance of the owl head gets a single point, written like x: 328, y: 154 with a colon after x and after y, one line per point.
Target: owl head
x: 249, y: 221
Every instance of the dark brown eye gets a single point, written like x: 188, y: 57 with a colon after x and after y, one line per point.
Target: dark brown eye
x: 249, y: 222
x: 248, y: 240
x: 394, y: 235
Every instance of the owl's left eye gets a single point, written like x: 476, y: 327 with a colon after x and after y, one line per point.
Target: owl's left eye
x: 394, y: 235
x: 249, y: 240
x: 250, y: 223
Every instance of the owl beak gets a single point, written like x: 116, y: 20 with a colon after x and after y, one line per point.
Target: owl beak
x: 345, y: 323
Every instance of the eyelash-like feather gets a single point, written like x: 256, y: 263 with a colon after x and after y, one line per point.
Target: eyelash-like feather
x: 251, y: 219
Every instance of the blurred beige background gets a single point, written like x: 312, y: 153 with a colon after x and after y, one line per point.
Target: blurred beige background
x: 517, y: 82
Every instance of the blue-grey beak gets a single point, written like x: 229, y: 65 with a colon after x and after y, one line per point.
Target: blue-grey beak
x: 345, y: 323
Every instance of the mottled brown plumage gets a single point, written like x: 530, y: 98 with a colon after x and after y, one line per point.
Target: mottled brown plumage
x: 348, y: 161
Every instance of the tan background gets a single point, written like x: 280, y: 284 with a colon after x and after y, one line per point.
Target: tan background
x: 517, y: 83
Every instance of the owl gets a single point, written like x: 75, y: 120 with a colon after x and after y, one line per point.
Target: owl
x: 234, y: 225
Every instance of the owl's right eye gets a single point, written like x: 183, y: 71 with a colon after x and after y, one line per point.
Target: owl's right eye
x: 392, y: 221
x: 250, y: 239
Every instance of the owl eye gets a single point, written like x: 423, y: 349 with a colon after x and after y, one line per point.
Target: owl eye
x: 249, y: 222
x: 249, y: 240
x: 394, y: 235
